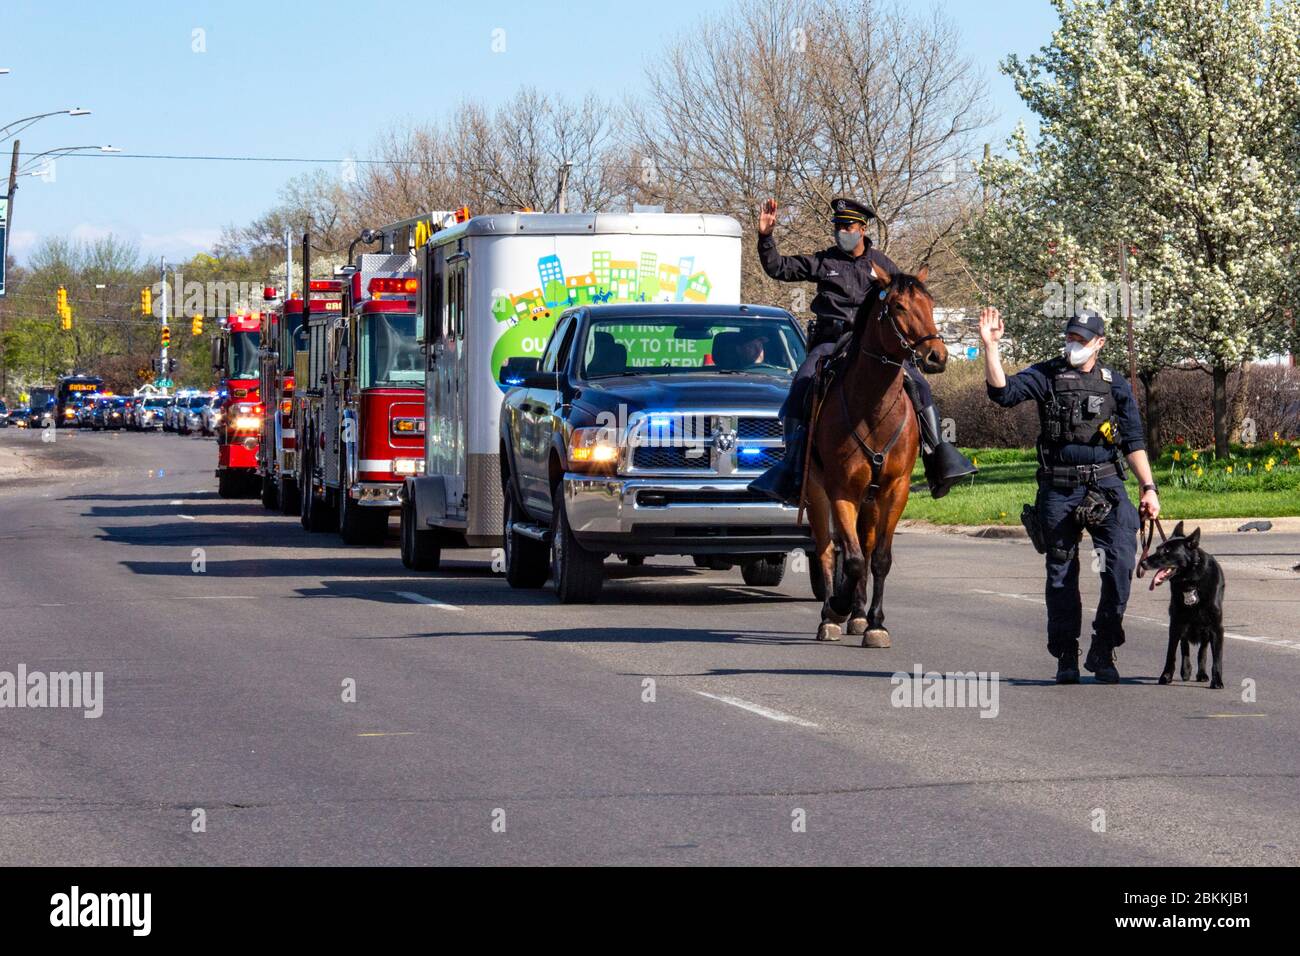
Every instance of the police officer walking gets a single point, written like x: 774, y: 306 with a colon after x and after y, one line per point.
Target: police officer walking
x: 844, y: 279
x: 1089, y: 427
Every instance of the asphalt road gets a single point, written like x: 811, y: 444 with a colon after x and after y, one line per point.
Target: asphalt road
x: 475, y: 704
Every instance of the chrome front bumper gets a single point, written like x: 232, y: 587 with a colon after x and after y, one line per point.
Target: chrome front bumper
x: 670, y: 515
x: 377, y: 494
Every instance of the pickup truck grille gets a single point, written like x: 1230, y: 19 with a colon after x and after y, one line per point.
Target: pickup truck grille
x: 657, y: 459
x: 706, y: 443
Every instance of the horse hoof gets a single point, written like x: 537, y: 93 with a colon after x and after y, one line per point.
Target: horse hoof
x: 858, y: 625
x: 828, y: 632
x: 876, y: 637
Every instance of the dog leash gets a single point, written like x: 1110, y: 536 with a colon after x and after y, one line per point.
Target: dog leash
x: 1149, y: 526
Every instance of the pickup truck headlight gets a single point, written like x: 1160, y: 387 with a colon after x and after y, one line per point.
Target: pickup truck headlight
x: 595, y: 447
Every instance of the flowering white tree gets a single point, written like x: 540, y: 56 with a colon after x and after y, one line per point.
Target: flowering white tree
x: 1170, y: 126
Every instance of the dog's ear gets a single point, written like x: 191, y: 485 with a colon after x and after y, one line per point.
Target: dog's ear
x: 1194, y: 539
x: 1178, y: 531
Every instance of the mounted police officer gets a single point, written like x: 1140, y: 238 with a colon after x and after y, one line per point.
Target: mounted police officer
x: 844, y: 280
x: 1089, y: 427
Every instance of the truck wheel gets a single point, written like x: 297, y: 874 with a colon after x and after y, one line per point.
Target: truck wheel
x: 314, y: 514
x: 420, y: 550
x: 357, y: 525
x: 287, y: 496
x: 527, y: 561
x: 270, y: 493
x: 577, y: 572
x: 228, y: 485
x: 763, y: 572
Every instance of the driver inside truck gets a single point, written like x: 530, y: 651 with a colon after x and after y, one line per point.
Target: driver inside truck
x: 733, y: 351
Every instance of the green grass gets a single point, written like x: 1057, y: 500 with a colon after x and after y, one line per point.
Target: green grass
x: 1253, y: 488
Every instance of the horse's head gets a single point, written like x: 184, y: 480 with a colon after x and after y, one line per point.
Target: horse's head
x: 902, y: 321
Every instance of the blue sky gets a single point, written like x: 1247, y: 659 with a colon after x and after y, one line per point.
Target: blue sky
x: 317, y: 80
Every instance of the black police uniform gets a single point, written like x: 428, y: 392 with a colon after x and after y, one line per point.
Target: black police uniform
x: 1089, y: 421
x: 843, y: 283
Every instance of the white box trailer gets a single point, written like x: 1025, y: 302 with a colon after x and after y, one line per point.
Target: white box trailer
x: 494, y: 287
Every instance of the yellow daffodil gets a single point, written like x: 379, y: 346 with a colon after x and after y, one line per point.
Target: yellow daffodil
x: 1178, y: 455
x: 1196, y: 456
x: 1229, y: 469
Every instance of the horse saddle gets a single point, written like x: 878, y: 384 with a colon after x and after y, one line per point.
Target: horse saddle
x: 829, y: 368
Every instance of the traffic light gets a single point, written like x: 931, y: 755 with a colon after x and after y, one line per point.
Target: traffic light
x: 196, y: 325
x: 146, y: 301
x: 166, y: 336
x: 171, y: 365
x: 66, y: 318
x: 62, y: 299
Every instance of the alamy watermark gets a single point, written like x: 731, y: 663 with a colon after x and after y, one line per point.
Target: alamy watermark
x: 930, y: 689
x: 1066, y: 299
x: 79, y: 690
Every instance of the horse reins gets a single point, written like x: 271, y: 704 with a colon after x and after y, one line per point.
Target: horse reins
x: 886, y: 312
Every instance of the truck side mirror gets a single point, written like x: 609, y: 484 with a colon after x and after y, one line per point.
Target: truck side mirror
x: 517, y: 370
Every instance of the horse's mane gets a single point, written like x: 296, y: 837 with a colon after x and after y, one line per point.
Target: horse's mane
x: 901, y: 283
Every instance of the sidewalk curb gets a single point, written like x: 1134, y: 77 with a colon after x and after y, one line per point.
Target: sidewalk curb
x: 1207, y: 525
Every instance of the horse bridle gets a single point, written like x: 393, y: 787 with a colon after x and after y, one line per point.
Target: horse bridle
x: 887, y: 312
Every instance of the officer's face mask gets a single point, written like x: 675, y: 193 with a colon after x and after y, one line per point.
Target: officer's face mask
x: 847, y: 240
x: 1078, y: 353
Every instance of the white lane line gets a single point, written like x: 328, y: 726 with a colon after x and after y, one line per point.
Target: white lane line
x: 759, y: 709
x: 1254, y: 639
x: 422, y: 599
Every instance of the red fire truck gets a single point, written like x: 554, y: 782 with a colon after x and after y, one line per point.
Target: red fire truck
x: 359, y: 413
x: 235, y: 359
x: 283, y: 335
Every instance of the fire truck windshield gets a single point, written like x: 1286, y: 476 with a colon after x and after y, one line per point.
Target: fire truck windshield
x: 390, y: 350
x: 243, y: 355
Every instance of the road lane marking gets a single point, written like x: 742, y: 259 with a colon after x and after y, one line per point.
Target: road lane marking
x: 759, y: 709
x: 422, y: 599
x: 1272, y: 641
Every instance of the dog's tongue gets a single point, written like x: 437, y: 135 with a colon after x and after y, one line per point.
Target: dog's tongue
x: 1159, y: 578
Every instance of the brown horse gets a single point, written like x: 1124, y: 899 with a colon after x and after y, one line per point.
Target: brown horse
x: 863, y: 445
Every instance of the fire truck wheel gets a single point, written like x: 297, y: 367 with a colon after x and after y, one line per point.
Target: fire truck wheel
x: 315, y: 516
x: 577, y: 572
x: 527, y: 560
x: 359, y: 525
x: 270, y: 494
x: 420, y: 550
x: 227, y: 486
x: 763, y: 572
x: 287, y: 496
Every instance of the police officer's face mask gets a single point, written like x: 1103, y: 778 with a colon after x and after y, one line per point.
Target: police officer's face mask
x: 847, y: 239
x: 1078, y: 353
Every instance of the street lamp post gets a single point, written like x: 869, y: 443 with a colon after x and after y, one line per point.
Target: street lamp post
x: 27, y: 121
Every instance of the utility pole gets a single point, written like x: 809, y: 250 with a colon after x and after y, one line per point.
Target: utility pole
x: 562, y: 195
x: 1127, y: 300
x: 4, y: 257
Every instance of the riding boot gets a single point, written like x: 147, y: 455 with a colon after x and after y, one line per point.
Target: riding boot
x: 1067, y: 664
x: 944, y: 464
x: 784, y: 480
x: 1101, y: 660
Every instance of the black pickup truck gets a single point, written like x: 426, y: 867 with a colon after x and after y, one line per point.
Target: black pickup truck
x: 637, y: 433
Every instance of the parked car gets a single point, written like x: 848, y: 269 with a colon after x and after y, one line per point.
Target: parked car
x: 637, y: 433
x: 170, y: 411
x: 148, y: 412
x: 210, y: 419
x: 109, y: 412
x: 189, y: 414
x: 18, y: 416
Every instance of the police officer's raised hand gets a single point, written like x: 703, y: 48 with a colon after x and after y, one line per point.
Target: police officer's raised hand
x: 767, y: 217
x: 990, y: 326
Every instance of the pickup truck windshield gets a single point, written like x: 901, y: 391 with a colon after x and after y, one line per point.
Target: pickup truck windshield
x: 390, y: 350
x: 687, y: 343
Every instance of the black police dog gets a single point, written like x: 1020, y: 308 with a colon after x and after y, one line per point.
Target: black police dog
x: 1195, y: 603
